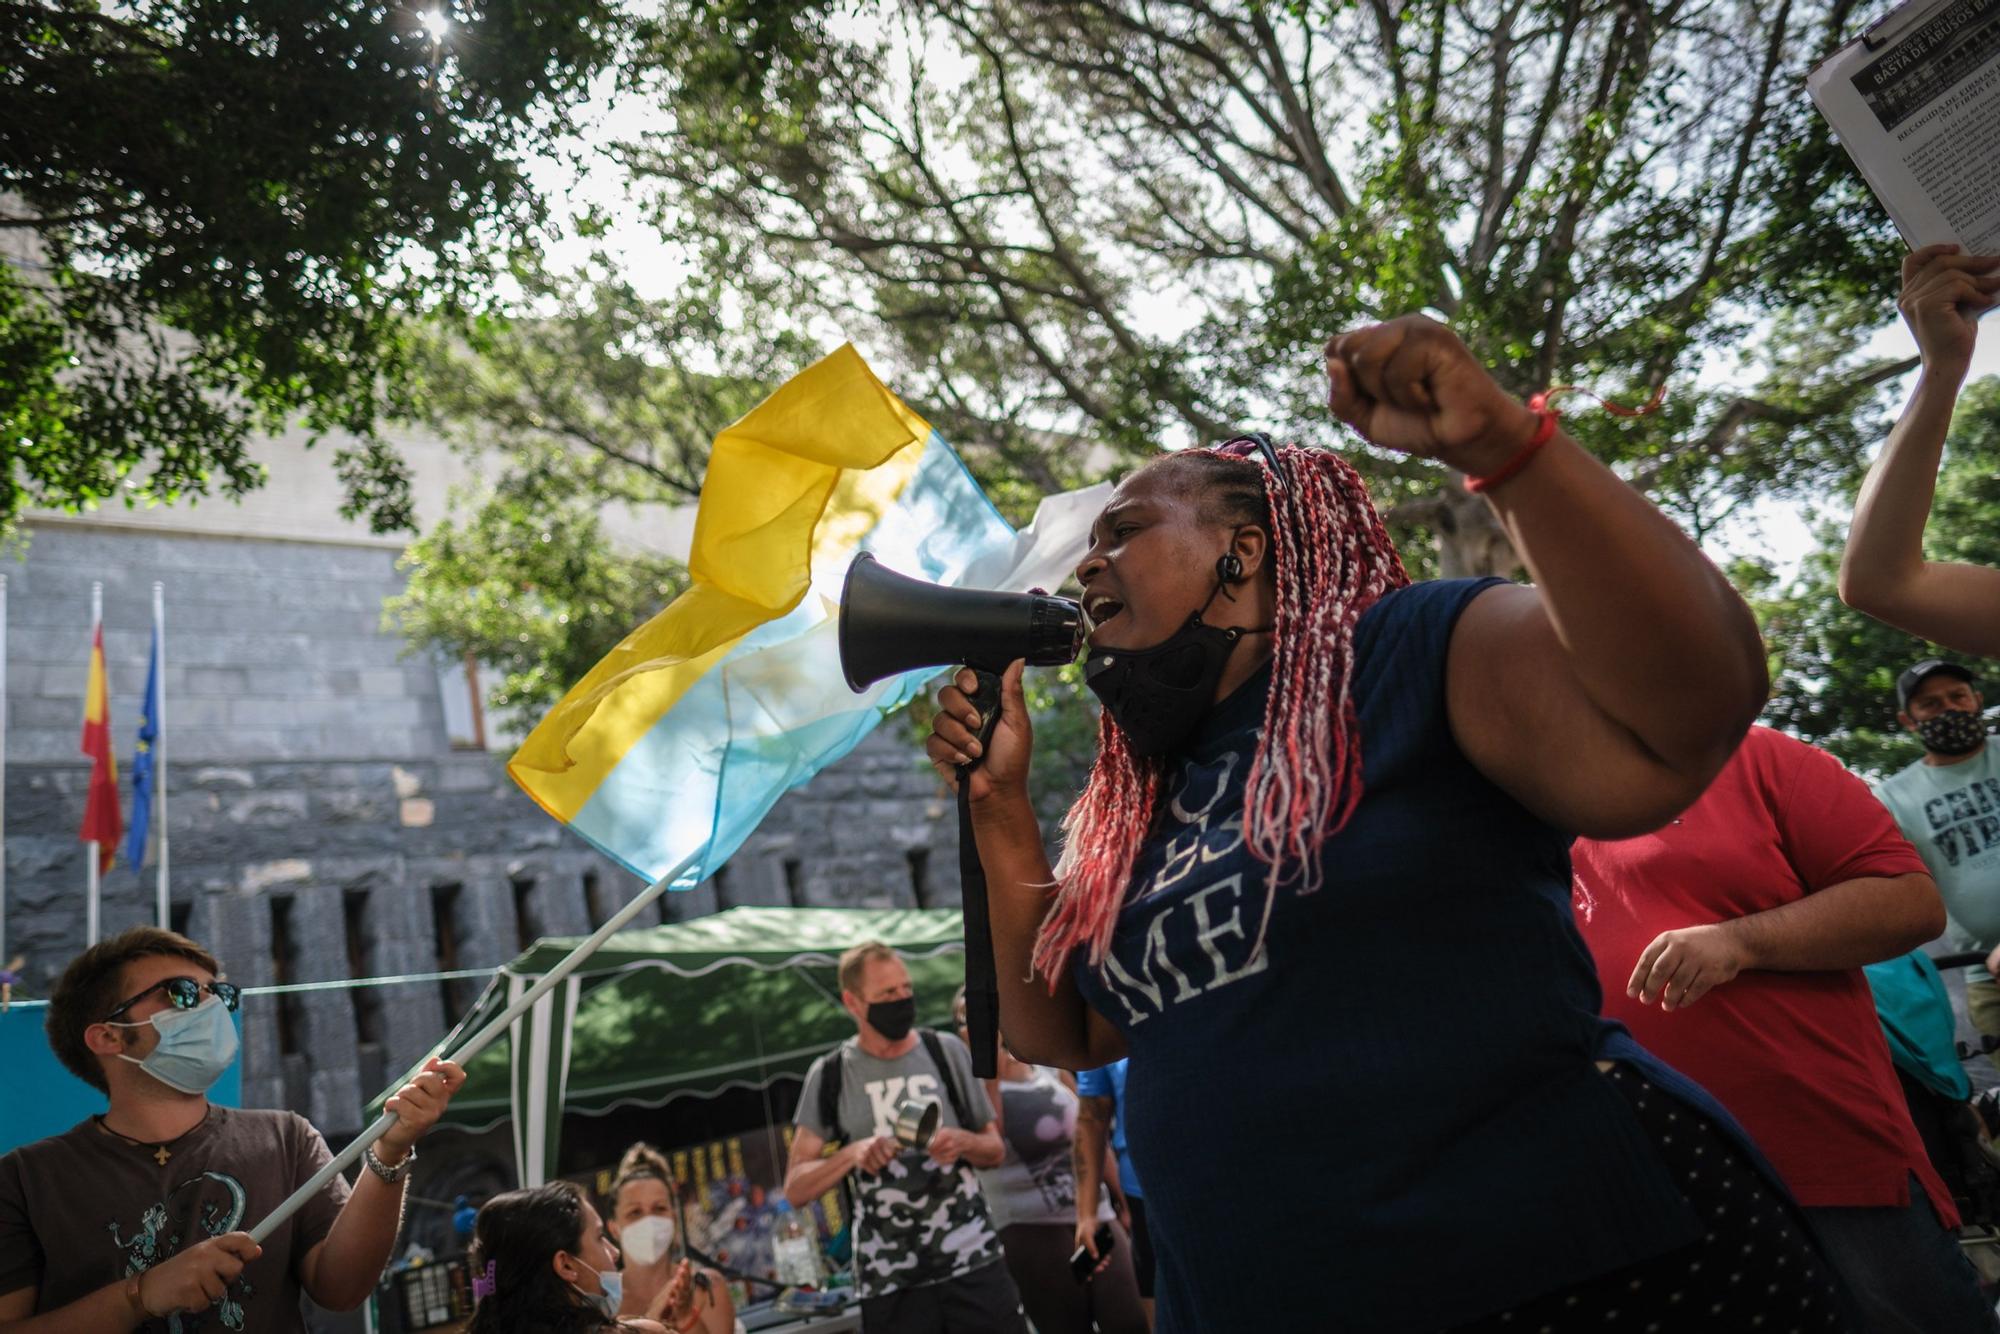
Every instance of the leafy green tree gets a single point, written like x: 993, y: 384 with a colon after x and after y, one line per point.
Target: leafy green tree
x: 1072, y: 232
x: 587, y: 396
x: 216, y: 219
x: 527, y: 581
x: 626, y: 390
x: 1134, y: 221
x: 1833, y: 669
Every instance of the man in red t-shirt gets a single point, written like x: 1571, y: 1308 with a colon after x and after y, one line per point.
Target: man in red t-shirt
x: 1731, y: 943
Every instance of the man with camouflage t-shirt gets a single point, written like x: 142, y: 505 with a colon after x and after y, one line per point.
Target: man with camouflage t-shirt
x: 926, y: 1257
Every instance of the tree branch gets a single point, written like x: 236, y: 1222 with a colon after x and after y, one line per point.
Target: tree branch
x: 1305, y: 138
x: 1753, y: 129
x: 1496, y: 206
x: 1721, y: 434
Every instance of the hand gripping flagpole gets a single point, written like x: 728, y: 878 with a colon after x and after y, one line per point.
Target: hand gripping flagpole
x: 477, y: 1043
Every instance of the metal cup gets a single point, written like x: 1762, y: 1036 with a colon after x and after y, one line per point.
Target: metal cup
x: 916, y: 1121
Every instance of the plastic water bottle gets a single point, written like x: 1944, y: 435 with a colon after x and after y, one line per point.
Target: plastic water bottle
x: 795, y: 1247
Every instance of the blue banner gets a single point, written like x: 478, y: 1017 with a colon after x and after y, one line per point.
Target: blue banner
x: 45, y: 1099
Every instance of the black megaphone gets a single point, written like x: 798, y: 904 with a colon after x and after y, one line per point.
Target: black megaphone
x: 890, y: 623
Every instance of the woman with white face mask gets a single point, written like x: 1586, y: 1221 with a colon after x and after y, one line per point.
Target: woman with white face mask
x: 644, y: 1217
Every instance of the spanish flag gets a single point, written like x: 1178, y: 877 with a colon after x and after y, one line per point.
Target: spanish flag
x: 102, y: 822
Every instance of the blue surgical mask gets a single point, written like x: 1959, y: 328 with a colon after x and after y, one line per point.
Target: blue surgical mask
x: 195, y: 1046
x: 606, y: 1301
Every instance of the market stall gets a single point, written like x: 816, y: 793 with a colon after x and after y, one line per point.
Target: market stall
x: 733, y: 1000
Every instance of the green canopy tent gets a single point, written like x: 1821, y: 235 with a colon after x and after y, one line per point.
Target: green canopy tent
x: 733, y: 1000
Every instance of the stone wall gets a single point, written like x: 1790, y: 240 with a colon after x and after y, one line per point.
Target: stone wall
x: 322, y: 827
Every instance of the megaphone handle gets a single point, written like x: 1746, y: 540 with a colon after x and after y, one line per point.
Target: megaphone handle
x: 982, y: 983
x: 986, y: 699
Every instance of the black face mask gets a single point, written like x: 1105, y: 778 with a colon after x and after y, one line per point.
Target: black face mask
x: 1953, y: 732
x: 893, y: 1019
x: 1158, y: 695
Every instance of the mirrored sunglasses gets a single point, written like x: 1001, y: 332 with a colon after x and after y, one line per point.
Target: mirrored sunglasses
x: 184, y: 993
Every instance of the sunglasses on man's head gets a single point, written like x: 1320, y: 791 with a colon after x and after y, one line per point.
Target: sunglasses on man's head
x: 184, y: 993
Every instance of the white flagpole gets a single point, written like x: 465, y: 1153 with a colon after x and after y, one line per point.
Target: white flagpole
x: 158, y: 672
x: 90, y: 848
x: 477, y: 1043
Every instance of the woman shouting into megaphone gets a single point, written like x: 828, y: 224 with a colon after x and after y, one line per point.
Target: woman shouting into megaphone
x: 1317, y: 886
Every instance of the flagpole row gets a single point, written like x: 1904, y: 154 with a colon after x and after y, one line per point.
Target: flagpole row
x: 157, y: 672
x: 477, y: 1043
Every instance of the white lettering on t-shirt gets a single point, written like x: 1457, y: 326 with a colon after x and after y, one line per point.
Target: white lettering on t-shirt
x: 1233, y: 827
x: 886, y: 1095
x: 1185, y: 815
x: 1192, y: 917
x: 1183, y: 851
x: 1209, y: 931
x: 1153, y: 961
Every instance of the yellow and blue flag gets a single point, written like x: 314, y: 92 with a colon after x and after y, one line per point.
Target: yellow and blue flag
x: 668, y: 753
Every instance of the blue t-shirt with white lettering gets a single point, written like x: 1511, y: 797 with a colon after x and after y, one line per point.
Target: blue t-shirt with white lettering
x: 1403, y: 1074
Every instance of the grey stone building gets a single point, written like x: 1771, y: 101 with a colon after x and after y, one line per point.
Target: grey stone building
x: 328, y: 817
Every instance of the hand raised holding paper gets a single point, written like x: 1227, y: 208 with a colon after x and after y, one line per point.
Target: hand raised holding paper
x: 1945, y: 291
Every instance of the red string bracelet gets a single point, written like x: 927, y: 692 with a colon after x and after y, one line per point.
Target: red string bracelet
x: 1525, y: 455
x: 1539, y: 404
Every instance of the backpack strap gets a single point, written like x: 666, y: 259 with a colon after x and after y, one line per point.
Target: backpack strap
x: 829, y: 1095
x: 961, y: 1108
x: 829, y: 1116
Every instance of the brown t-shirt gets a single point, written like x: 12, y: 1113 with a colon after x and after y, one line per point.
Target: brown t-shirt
x: 84, y: 1209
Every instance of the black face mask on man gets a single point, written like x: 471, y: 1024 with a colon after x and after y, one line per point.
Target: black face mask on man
x: 1158, y: 695
x: 893, y: 1019
x: 1953, y: 732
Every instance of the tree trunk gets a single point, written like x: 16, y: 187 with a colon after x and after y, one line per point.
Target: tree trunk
x: 1470, y: 541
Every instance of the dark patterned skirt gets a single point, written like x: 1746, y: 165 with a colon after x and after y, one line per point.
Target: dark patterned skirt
x: 1754, y: 1268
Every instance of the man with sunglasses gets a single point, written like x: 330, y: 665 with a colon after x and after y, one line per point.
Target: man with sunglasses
x: 136, y: 1219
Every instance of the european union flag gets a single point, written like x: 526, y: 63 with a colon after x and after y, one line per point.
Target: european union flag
x: 142, y: 763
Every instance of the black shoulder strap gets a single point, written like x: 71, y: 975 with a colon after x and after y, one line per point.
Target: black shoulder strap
x: 959, y: 1106
x: 829, y: 1095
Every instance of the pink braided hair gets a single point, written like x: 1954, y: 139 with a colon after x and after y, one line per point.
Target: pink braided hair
x: 1332, y: 560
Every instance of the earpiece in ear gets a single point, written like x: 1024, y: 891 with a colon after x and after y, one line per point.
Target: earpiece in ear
x: 1229, y: 569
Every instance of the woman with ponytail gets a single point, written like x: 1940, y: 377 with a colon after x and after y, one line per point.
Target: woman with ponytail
x: 643, y: 1215
x: 1317, y: 886
x: 541, y: 1264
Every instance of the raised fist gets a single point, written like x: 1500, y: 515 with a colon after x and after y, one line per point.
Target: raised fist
x: 1411, y: 385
